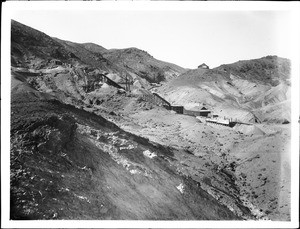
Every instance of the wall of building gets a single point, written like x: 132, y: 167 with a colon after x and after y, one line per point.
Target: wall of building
x: 204, y: 113
x: 191, y: 112
x: 177, y: 109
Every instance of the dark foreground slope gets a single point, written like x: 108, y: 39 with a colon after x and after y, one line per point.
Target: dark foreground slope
x: 67, y: 163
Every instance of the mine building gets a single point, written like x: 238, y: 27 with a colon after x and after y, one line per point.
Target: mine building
x: 191, y: 112
x: 177, y: 109
x: 204, y: 112
x: 161, y: 101
x: 157, y: 99
x: 204, y: 66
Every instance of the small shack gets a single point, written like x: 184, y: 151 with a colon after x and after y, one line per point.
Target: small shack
x: 204, y: 112
x: 197, y: 111
x: 204, y: 66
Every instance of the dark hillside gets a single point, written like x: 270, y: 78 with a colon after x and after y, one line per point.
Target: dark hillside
x: 89, y: 58
x: 35, y: 50
x: 30, y: 47
x: 143, y: 64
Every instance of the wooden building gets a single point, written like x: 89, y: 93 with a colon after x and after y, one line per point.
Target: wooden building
x: 204, y: 66
x: 177, y: 109
x: 196, y: 111
x: 191, y: 112
x: 204, y: 112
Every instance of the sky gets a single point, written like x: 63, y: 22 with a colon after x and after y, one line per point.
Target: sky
x: 185, y: 38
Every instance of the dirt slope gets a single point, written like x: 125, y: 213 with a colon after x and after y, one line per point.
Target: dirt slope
x: 268, y: 70
x: 269, y: 183
x: 143, y: 64
x: 89, y: 58
x: 249, y: 91
x: 32, y: 48
x: 67, y: 163
x: 222, y: 159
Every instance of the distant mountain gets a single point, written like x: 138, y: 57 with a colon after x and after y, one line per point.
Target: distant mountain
x: 94, y: 48
x: 143, y: 64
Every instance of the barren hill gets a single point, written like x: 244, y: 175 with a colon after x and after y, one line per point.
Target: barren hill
x: 143, y: 64
x: 88, y: 57
x: 32, y: 48
x: 68, y: 163
x: 84, y: 148
x: 245, y: 90
x: 268, y: 70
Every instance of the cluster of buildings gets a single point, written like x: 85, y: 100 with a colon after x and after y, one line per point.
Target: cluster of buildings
x: 196, y: 111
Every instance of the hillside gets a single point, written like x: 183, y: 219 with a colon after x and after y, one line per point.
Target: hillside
x: 245, y: 90
x: 143, y: 64
x: 94, y: 48
x: 89, y: 58
x: 268, y: 70
x: 67, y: 163
x: 82, y: 147
x: 32, y: 48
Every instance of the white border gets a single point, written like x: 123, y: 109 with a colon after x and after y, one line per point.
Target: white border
x: 153, y: 5
x: 10, y: 7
